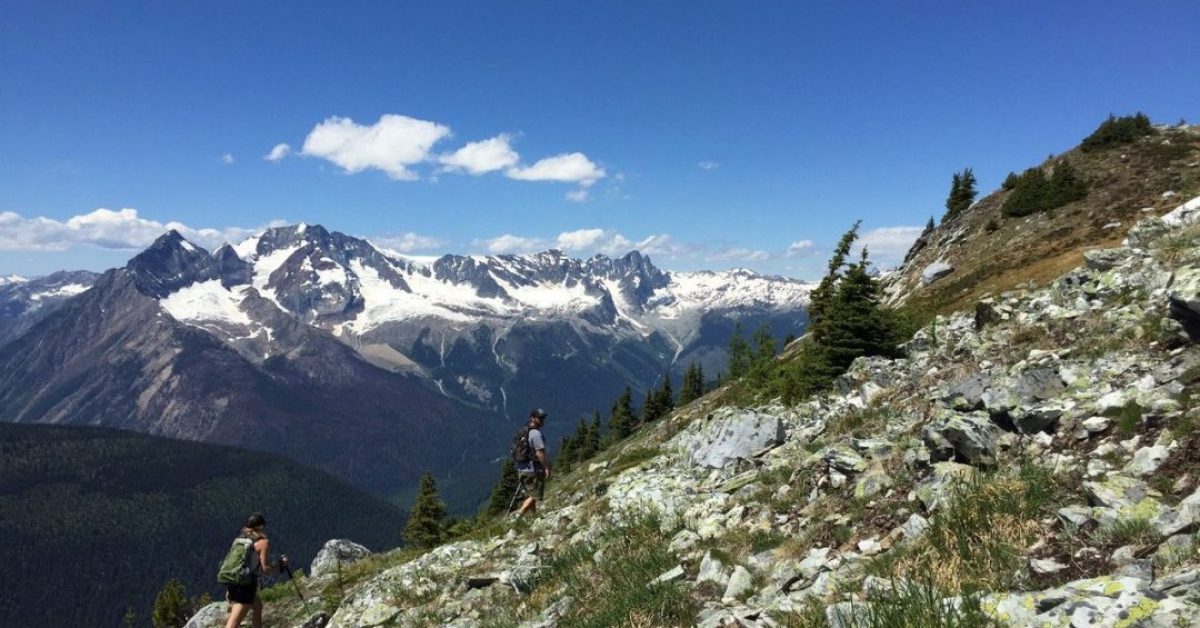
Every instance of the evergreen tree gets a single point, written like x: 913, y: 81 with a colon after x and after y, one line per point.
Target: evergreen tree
x: 129, y: 620
x: 962, y: 194
x: 741, y: 356
x: 426, y: 524
x: 566, y: 454
x: 171, y: 607
x: 763, y: 359
x: 856, y: 324
x: 666, y: 395
x: 693, y: 385
x: 593, y: 443
x: 650, y: 409
x: 825, y: 290
x: 505, y: 488
x: 622, y: 420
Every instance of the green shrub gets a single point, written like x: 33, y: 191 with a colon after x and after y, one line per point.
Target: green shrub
x: 1034, y: 191
x: 914, y: 605
x: 1115, y: 131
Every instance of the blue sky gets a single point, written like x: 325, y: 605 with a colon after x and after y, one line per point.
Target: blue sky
x: 712, y: 134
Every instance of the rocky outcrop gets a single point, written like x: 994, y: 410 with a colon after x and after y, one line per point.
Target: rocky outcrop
x: 336, y: 553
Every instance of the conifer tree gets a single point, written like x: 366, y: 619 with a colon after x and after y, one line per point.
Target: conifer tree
x: 566, y: 454
x: 171, y: 607
x: 693, y: 385
x: 594, y: 442
x: 962, y: 194
x: 666, y: 396
x: 505, y: 488
x: 427, y: 523
x: 622, y: 420
x: 741, y: 356
x: 825, y: 290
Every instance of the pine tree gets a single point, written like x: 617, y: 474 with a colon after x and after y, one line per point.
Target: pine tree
x: 666, y: 396
x: 594, y: 442
x: 741, y: 356
x: 622, y: 420
x: 566, y: 454
x: 129, y: 620
x: 171, y: 607
x: 426, y: 524
x: 505, y: 488
x: 825, y: 291
x: 962, y: 194
x: 693, y: 385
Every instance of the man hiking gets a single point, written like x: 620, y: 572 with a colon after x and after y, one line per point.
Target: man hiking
x: 533, y: 466
x: 242, y: 583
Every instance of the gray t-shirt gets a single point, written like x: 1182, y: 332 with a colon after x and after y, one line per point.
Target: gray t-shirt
x: 536, y: 442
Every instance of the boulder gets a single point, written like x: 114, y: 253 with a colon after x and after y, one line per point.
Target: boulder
x: 739, y: 584
x: 966, y: 393
x: 972, y: 438
x: 211, y: 616
x: 732, y: 435
x: 935, y: 271
x: 1147, y: 460
x: 336, y: 553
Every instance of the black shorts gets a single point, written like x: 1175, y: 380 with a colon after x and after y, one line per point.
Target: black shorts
x: 242, y: 593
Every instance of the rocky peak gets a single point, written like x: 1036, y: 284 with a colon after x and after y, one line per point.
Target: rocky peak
x: 168, y: 264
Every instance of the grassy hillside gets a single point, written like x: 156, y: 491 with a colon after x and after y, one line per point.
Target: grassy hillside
x: 992, y: 251
x: 95, y: 520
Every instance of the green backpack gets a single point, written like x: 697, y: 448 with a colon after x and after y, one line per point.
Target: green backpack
x: 235, y: 569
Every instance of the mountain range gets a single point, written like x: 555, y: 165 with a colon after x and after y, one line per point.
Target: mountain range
x: 363, y: 362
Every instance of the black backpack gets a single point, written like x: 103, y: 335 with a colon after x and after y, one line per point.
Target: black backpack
x: 521, y: 453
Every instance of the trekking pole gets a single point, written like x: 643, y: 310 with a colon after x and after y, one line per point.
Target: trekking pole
x: 287, y: 569
x: 516, y: 494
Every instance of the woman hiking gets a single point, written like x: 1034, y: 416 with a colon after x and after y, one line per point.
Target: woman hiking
x: 244, y: 597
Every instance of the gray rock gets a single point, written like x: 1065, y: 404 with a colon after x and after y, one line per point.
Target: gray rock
x: 732, y: 436
x: 915, y: 526
x: 673, y: 574
x: 972, y: 438
x: 966, y: 394
x: 1147, y: 460
x: 844, y: 459
x: 740, y: 583
x: 211, y: 616
x: 935, y: 271
x: 335, y: 553
x: 1145, y: 233
x: 1104, y: 259
x: 316, y: 621
x: 1046, y: 566
x: 712, y: 570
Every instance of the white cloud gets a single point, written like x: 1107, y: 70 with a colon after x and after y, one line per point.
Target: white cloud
x: 103, y: 228
x: 580, y: 239
x: 277, y: 153
x: 708, y: 165
x: 227, y: 159
x: 409, y: 242
x: 508, y: 243
x: 578, y: 196
x: 739, y: 254
x: 801, y: 248
x: 566, y: 168
x: 483, y: 156
x: 887, y: 245
x: 391, y: 145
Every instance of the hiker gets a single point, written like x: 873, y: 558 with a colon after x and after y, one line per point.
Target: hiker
x: 243, y: 596
x: 533, y: 466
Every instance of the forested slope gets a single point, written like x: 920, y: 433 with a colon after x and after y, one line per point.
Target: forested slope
x: 93, y: 521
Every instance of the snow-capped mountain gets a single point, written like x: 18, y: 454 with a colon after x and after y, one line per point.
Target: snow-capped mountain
x: 357, y: 360
x: 24, y: 302
x: 485, y: 330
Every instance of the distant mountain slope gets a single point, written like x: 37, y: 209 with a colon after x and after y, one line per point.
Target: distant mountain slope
x: 113, y: 357
x: 24, y: 302
x: 984, y: 251
x: 95, y: 520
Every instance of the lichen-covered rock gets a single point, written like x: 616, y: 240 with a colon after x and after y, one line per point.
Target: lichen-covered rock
x: 336, y: 554
x: 731, y: 435
x: 973, y: 438
x: 211, y: 616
